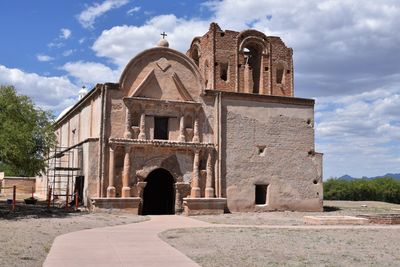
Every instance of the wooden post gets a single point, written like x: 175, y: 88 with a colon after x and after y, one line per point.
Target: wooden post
x: 67, y: 197
x: 32, y: 191
x: 14, y: 197
x: 76, y: 200
x: 49, y: 198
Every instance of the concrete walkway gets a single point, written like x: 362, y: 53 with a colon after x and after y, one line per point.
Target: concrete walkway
x: 125, y: 245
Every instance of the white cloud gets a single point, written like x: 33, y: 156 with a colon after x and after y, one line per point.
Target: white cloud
x: 52, y: 93
x: 121, y: 43
x: 65, y: 33
x: 44, y: 58
x: 87, y: 17
x: 68, y: 52
x: 90, y: 73
x: 360, y: 134
x: 131, y: 11
x: 55, y: 44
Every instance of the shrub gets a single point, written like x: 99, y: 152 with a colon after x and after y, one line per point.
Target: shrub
x: 380, y: 189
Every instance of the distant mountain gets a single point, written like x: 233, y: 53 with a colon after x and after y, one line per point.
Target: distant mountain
x: 347, y: 177
x: 393, y: 175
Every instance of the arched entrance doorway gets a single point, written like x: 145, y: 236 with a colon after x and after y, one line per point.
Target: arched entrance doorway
x: 159, y: 193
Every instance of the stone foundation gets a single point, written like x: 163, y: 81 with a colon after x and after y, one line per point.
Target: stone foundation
x: 130, y: 203
x: 382, y: 218
x: 204, y: 206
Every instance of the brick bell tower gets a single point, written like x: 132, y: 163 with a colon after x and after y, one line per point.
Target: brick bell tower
x: 243, y: 62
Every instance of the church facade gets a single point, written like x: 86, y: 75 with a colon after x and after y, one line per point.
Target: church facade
x: 215, y: 130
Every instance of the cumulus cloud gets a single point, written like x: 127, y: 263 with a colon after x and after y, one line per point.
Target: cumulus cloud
x: 339, y: 46
x: 65, y: 33
x: 360, y: 134
x: 88, y: 16
x: 44, y: 58
x: 51, y: 93
x: 90, y: 73
x: 121, y: 43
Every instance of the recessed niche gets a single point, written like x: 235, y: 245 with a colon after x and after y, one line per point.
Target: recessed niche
x: 261, y: 150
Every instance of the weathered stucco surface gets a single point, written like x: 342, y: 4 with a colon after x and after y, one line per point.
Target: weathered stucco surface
x: 270, y: 144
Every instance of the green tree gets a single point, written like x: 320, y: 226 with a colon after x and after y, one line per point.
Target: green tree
x: 26, y: 134
x: 380, y: 189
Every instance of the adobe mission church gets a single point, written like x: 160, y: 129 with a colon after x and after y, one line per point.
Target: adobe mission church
x: 215, y: 130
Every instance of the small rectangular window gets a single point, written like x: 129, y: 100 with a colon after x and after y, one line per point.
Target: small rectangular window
x: 161, y: 128
x: 261, y: 194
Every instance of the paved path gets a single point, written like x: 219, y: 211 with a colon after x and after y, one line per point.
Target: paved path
x: 125, y: 245
x: 138, y: 244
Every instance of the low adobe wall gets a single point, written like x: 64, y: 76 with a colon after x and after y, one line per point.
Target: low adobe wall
x: 24, y: 185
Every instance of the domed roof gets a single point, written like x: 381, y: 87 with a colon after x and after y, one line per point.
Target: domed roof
x: 163, y: 43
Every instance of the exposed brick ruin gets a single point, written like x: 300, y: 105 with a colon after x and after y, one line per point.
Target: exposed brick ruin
x: 244, y: 62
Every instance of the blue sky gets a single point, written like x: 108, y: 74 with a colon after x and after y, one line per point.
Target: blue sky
x: 346, y: 56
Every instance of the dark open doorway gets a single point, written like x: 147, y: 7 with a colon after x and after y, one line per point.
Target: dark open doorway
x: 78, y: 187
x: 159, y: 193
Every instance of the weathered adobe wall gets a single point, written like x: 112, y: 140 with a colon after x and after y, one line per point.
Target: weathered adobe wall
x: 81, y: 124
x: 271, y: 144
x: 90, y: 169
x: 225, y: 53
x: 281, y: 57
x: 24, y: 185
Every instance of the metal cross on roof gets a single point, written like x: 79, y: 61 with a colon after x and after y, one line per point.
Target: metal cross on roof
x: 163, y: 35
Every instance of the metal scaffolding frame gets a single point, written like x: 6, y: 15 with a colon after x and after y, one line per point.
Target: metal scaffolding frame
x: 64, y: 165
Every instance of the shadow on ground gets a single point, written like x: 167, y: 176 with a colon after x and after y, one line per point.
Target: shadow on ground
x: 39, y: 210
x: 331, y: 208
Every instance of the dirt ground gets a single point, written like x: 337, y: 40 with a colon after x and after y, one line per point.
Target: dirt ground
x: 332, y: 208
x: 27, y: 235
x: 287, y: 247
x: 319, y: 246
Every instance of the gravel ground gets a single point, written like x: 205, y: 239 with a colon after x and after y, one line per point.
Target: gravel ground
x: 287, y: 247
x: 291, y: 246
x: 27, y: 235
x: 333, y: 208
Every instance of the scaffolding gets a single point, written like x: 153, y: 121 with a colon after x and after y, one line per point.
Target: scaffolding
x: 63, y: 172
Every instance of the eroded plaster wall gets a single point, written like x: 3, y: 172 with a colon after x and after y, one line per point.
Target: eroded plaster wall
x: 90, y: 169
x: 270, y: 144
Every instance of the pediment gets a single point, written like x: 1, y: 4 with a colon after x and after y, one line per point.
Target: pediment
x: 162, y: 82
x: 162, y: 74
